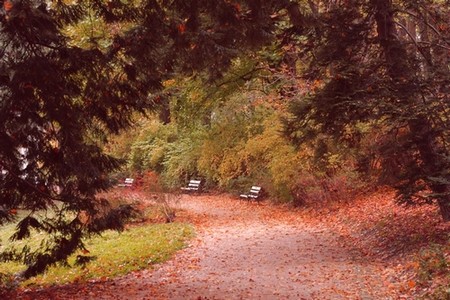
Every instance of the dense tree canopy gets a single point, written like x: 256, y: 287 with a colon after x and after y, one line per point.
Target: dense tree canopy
x: 386, y: 64
x: 63, y: 91
x: 65, y: 86
x: 57, y: 103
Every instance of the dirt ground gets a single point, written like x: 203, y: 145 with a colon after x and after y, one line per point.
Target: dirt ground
x: 245, y: 251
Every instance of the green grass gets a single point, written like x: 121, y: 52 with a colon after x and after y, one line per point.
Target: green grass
x: 5, y: 233
x: 116, y: 253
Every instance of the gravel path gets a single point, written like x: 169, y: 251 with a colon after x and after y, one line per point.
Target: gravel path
x: 246, y: 251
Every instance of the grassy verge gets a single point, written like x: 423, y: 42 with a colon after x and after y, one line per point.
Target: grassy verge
x: 115, y: 253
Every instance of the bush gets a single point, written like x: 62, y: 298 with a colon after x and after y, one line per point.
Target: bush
x: 317, y: 189
x: 149, y: 150
x: 432, y: 261
x: 433, y: 272
x: 237, y: 143
x: 7, y: 282
x: 180, y: 160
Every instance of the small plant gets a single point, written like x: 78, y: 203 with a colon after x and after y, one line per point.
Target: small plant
x: 433, y: 272
x: 432, y: 262
x: 7, y: 282
x: 440, y: 293
x: 164, y: 202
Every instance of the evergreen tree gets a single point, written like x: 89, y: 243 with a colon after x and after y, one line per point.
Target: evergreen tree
x: 58, y: 103
x: 386, y: 63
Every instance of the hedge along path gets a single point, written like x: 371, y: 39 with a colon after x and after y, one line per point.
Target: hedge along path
x: 246, y: 251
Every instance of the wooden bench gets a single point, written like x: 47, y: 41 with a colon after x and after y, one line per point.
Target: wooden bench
x: 193, y: 186
x: 254, y: 194
x: 128, y: 182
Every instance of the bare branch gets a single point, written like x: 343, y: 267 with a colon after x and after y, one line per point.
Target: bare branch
x: 436, y: 45
x: 415, y: 42
x: 426, y: 23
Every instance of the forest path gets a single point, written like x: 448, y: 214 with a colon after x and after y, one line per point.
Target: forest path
x: 246, y: 251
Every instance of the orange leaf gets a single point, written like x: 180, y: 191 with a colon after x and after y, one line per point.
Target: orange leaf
x: 411, y: 284
x: 7, y: 5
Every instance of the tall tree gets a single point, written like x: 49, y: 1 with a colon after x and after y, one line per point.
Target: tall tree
x: 57, y: 103
x: 372, y: 68
x: 433, y: 167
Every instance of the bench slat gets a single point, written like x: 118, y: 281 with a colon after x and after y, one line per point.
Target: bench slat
x: 193, y: 185
x: 254, y: 193
x: 128, y: 182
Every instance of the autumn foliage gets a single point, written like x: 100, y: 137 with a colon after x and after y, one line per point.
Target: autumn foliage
x: 313, y: 100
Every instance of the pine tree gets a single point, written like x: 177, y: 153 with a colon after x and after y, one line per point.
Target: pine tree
x: 385, y: 63
x: 58, y: 103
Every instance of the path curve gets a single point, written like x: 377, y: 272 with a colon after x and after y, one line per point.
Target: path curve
x: 245, y: 251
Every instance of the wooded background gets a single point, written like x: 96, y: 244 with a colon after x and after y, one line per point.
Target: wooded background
x: 311, y: 99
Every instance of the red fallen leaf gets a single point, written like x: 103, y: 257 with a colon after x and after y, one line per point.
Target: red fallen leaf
x: 181, y: 28
x: 13, y: 211
x: 411, y: 284
x: 85, y: 251
x: 7, y: 5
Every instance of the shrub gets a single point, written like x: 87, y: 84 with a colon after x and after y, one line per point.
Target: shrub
x: 180, y: 159
x: 149, y: 149
x: 7, y: 282
x: 433, y: 272
x: 432, y: 262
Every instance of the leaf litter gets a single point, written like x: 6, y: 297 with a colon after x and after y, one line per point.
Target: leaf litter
x: 361, y: 249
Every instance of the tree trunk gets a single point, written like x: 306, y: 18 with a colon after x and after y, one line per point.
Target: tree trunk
x: 164, y: 110
x: 403, y: 74
x: 444, y: 205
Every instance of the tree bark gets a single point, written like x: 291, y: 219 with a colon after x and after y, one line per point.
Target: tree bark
x: 403, y: 74
x: 295, y: 16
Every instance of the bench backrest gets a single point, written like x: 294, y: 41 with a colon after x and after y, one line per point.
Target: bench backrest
x: 193, y: 186
x: 194, y: 183
x: 255, y: 190
x: 128, y: 182
x: 255, y: 193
